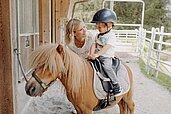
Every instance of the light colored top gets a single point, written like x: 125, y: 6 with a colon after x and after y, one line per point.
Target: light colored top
x: 108, y: 38
x: 85, y: 50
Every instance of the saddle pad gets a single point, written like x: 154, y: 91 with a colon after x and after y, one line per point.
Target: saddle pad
x: 123, y: 78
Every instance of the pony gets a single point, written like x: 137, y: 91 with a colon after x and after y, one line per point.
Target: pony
x: 55, y: 61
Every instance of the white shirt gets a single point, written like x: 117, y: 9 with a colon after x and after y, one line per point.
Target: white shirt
x: 108, y: 38
x: 85, y: 50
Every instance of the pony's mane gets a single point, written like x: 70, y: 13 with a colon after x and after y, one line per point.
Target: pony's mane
x: 74, y: 66
x: 77, y: 69
x: 46, y: 55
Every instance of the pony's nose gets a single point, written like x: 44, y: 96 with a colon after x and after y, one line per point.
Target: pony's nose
x: 30, y: 89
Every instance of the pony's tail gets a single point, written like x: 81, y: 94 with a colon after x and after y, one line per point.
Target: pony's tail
x: 123, y: 107
x: 127, y: 105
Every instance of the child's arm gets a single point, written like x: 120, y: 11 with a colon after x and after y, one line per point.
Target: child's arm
x: 92, y: 51
x: 92, y: 48
x: 103, y: 50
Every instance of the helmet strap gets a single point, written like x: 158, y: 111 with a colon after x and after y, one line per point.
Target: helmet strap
x: 101, y: 34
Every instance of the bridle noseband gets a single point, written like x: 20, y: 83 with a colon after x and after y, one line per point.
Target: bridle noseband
x: 42, y: 84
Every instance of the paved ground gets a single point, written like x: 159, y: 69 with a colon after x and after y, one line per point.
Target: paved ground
x: 150, y: 98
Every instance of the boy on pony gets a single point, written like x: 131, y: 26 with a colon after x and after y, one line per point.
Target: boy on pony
x: 104, y: 46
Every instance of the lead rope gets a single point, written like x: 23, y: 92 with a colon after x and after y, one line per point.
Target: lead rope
x: 20, y: 64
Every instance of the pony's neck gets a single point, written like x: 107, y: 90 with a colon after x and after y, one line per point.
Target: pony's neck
x: 76, y: 71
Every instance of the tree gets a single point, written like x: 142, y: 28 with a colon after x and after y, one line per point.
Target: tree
x: 155, y: 12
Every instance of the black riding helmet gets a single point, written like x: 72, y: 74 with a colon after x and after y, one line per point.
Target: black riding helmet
x: 104, y: 15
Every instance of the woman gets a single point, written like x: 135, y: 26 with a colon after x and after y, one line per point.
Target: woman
x: 77, y: 38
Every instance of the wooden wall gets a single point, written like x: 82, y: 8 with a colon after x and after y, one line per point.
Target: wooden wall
x: 6, y: 88
x: 52, y: 13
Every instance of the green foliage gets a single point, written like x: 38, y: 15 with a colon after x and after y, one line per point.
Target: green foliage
x: 155, y: 14
x: 129, y: 13
x: 86, y: 10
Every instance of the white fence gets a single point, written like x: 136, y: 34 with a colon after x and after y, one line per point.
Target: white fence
x: 153, y: 47
x: 156, y: 51
x: 127, y: 40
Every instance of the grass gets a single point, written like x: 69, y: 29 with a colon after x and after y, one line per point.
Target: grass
x: 162, y: 79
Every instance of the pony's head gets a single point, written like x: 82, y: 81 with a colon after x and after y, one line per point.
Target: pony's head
x: 47, y: 62
x: 54, y: 61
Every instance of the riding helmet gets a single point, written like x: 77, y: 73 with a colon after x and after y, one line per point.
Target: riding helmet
x: 105, y: 15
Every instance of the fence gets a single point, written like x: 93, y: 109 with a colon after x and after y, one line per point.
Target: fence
x: 126, y: 40
x: 153, y: 47
x: 156, y: 51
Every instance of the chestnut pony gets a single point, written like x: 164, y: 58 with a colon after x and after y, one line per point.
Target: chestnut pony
x: 55, y: 61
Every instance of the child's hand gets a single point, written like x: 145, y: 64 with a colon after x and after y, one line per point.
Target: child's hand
x: 92, y: 56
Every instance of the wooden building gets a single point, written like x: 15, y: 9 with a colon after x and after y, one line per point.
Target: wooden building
x: 24, y: 25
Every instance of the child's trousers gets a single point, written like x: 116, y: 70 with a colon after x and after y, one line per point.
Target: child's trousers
x: 107, y: 65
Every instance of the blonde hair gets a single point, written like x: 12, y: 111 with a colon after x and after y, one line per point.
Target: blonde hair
x: 71, y: 26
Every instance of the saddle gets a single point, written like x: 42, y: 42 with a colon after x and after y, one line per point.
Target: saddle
x: 106, y: 81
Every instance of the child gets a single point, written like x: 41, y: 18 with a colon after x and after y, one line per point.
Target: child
x: 104, y: 45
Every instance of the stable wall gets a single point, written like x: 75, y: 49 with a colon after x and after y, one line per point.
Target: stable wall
x: 52, y: 15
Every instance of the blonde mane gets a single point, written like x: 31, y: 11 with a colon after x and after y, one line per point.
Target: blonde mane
x: 75, y: 68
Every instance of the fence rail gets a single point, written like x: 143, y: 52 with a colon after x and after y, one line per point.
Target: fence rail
x: 156, y: 51
x: 153, y: 47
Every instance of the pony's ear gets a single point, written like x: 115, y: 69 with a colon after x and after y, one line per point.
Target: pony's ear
x: 60, y: 49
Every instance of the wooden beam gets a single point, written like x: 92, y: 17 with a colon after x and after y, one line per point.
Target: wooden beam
x: 51, y: 17
x: 60, y: 11
x: 6, y: 89
x: 57, y: 20
x: 53, y: 35
x: 64, y: 7
x: 44, y: 21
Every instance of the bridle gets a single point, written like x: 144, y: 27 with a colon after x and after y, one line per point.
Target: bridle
x: 41, y: 83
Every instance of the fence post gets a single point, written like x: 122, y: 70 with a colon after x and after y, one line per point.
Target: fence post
x: 153, y: 34
x: 141, y: 41
x: 159, y: 50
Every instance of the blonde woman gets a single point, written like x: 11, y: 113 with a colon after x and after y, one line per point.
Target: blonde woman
x: 77, y: 38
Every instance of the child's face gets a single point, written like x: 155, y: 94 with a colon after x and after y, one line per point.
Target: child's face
x: 101, y: 27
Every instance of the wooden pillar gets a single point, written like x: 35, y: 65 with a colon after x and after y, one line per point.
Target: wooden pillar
x: 44, y: 21
x: 57, y: 20
x: 6, y: 89
x: 65, y: 4
x: 52, y: 14
x: 60, y: 15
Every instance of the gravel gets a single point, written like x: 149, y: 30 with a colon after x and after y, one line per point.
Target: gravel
x: 149, y: 97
